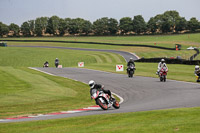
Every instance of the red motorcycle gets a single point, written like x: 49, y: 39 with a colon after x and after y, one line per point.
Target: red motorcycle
x: 163, y: 74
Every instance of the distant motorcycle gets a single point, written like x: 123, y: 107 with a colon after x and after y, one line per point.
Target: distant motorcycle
x: 46, y: 65
x: 131, y: 70
x: 163, y: 74
x: 103, y: 101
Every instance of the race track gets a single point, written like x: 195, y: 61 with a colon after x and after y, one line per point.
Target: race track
x: 139, y: 93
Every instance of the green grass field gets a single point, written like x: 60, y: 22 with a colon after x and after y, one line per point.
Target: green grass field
x: 160, y: 40
x: 18, y: 83
x: 28, y: 92
x: 25, y: 92
x: 185, y: 120
x: 186, y: 40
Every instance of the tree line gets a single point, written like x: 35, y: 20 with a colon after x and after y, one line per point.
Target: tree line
x: 168, y: 22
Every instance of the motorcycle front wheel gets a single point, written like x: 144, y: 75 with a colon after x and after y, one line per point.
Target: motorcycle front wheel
x: 116, y: 105
x: 103, y: 104
x: 161, y: 79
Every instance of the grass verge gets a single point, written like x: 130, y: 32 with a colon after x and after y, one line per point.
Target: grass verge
x: 185, y: 120
x: 24, y: 92
x: 176, y: 71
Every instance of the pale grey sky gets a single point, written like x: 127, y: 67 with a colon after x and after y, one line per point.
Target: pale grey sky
x: 19, y: 11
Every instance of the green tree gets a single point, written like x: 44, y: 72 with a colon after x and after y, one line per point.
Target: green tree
x: 76, y: 26
x: 105, y: 26
x: 151, y: 25
x: 171, y: 19
x: 67, y: 22
x: 25, y: 28
x: 100, y: 26
x: 193, y: 24
x: 125, y: 25
x: 181, y: 24
x: 15, y: 28
x: 87, y: 27
x: 3, y: 29
x: 62, y: 27
x: 40, y: 25
x: 32, y: 26
x: 112, y: 26
x: 53, y: 25
x: 139, y: 25
x: 166, y: 24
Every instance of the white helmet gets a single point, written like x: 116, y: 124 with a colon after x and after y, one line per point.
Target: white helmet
x: 91, y: 83
x: 162, y: 60
x: 196, y: 67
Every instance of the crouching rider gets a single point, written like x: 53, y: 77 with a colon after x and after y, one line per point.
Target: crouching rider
x: 99, y: 87
x: 161, y: 65
x: 197, y: 73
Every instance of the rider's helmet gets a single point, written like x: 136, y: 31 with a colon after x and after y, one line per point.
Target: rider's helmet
x: 196, y: 67
x: 91, y: 83
x: 131, y: 59
x: 162, y: 60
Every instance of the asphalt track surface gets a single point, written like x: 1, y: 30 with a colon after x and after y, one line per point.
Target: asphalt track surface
x: 139, y: 93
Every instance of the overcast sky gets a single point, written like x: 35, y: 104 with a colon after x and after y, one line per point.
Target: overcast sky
x: 19, y: 11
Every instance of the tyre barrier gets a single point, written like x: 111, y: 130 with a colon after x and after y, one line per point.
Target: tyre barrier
x: 170, y: 61
x: 114, y: 44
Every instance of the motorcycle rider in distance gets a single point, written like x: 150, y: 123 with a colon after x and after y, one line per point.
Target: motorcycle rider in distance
x: 93, y: 85
x: 56, y: 62
x: 131, y: 61
x: 197, y: 73
x: 161, y: 65
x: 46, y: 64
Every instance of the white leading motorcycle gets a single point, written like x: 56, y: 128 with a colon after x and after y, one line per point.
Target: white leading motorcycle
x: 103, y: 101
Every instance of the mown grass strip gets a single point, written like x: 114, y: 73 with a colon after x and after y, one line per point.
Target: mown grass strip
x: 185, y: 120
x: 36, y: 93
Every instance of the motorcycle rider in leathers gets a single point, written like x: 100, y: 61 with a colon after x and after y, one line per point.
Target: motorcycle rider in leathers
x: 197, y: 72
x: 131, y: 61
x: 161, y: 65
x: 93, y: 85
x: 56, y: 62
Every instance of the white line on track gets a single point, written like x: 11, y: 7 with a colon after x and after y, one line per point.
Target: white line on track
x: 41, y: 71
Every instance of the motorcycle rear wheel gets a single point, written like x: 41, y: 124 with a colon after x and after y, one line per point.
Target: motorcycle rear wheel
x: 104, y: 105
x: 164, y: 78
x: 116, y: 105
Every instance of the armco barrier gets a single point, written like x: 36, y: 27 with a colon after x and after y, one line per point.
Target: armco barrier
x: 170, y: 61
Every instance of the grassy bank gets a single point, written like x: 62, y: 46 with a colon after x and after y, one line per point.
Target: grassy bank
x: 161, y: 40
x: 176, y: 71
x: 185, y: 120
x: 35, y: 57
x: 24, y: 92
x: 186, y: 40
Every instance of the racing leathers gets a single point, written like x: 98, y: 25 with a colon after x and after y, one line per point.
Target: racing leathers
x: 197, y: 74
x: 129, y: 64
x: 160, y: 66
x: 56, y: 62
x: 100, y: 87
